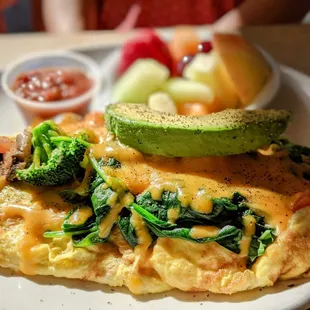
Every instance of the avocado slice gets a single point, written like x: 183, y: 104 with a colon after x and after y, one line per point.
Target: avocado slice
x: 223, y: 133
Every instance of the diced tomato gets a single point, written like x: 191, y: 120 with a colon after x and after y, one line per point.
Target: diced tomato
x: 94, y: 118
x: 5, y: 144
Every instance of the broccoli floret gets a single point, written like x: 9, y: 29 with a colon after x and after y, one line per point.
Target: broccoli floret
x: 56, y: 157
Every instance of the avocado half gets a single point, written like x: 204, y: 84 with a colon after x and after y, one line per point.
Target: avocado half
x: 223, y: 133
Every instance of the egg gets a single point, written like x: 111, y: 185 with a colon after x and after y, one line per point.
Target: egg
x: 26, y: 212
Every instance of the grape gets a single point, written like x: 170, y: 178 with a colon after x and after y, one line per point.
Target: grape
x: 182, y: 63
x: 204, y: 47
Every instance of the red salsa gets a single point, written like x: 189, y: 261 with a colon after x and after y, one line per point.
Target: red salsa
x: 56, y: 84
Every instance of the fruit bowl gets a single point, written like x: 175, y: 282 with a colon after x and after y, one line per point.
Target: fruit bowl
x: 250, y: 80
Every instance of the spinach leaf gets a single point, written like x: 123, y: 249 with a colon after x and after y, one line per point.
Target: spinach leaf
x: 98, y: 167
x: 259, y: 244
x: 100, y: 202
x: 232, y: 238
x: 112, y: 162
x: 96, y: 178
x: 295, y: 151
x: 70, y: 225
x: 86, y: 240
x: 158, y: 208
x: 126, y: 228
x: 224, y: 212
x: 227, y: 214
x: 85, y: 233
x: 72, y: 196
x: 150, y: 218
x: 228, y: 236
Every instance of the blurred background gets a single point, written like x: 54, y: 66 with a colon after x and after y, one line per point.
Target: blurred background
x: 181, y: 63
x: 66, y: 16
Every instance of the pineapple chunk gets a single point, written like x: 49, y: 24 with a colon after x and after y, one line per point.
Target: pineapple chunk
x: 209, y: 70
x: 185, y: 91
x: 162, y: 102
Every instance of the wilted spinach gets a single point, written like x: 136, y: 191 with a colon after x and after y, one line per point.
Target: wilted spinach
x: 96, y: 197
x: 100, y: 195
x: 259, y: 244
x: 126, y: 228
x: 71, y: 228
x: 228, y: 235
x: 227, y: 214
x: 295, y: 151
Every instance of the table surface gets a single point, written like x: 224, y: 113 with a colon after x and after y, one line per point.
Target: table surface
x: 288, y: 44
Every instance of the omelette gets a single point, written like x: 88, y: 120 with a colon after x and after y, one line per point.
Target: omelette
x: 222, y: 224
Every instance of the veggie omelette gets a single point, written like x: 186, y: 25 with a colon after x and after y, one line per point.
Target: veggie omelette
x: 77, y: 203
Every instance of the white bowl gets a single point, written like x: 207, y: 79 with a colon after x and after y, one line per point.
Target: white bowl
x: 63, y: 59
x: 262, y: 99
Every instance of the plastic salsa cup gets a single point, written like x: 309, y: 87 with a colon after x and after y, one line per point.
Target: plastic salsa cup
x: 65, y: 60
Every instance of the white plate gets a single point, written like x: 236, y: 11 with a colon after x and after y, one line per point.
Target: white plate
x: 47, y: 293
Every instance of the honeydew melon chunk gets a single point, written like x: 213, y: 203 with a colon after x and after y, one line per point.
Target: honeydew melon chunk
x: 144, y: 77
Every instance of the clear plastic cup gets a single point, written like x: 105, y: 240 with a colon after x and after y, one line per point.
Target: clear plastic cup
x: 48, y: 60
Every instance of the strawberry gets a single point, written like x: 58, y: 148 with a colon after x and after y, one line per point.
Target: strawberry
x: 146, y: 44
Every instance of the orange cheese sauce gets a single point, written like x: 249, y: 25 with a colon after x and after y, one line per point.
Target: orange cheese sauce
x: 46, y: 211
x: 266, y: 181
x: 80, y: 216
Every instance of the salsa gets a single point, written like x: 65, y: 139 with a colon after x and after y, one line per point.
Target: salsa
x: 45, y: 85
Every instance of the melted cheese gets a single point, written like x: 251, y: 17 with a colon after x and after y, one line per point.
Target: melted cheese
x: 274, y: 207
x: 202, y: 202
x: 173, y: 215
x: 142, y: 264
x: 36, y: 221
x: 249, y: 230
x: 265, y: 181
x: 203, y: 231
x: 83, y: 186
x: 141, y: 228
x: 116, y: 207
x: 3, y: 182
x: 160, y: 186
x: 80, y: 216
